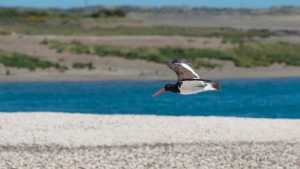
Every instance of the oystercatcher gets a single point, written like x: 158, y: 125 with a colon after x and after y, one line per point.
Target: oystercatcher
x: 189, y: 82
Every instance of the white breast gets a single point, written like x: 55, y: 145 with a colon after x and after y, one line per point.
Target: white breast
x: 192, y: 87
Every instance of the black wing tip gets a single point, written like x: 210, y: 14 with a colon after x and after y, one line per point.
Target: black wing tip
x: 180, y: 61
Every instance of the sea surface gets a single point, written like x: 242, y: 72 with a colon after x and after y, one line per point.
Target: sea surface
x: 259, y: 98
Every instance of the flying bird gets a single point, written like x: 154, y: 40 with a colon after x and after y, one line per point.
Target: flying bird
x: 188, y: 81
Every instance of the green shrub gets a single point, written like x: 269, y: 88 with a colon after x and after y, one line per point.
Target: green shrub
x: 4, y: 32
x: 9, y: 12
x: 78, y: 65
x: 18, y: 60
x: 107, y: 13
x: 266, y: 54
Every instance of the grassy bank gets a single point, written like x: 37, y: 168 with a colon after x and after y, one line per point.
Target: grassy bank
x: 68, y: 28
x: 250, y: 54
x: 265, y: 54
x: 18, y: 60
x: 159, y: 55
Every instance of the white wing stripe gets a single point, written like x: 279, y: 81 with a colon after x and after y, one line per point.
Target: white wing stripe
x: 186, y: 66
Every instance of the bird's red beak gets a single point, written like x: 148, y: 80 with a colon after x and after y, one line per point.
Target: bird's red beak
x: 216, y: 85
x: 161, y: 91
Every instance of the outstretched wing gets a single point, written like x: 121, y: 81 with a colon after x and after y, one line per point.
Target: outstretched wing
x: 183, y: 70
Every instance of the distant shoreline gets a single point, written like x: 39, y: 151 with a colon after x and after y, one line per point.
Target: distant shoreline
x: 83, y: 5
x: 236, y: 73
x: 84, y: 79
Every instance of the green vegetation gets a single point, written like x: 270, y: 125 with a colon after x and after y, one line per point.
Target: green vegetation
x: 56, y: 21
x: 100, y: 21
x: 107, y: 13
x: 18, y: 60
x: 4, y: 32
x: 159, y: 55
x: 266, y: 54
x: 25, y: 13
x: 249, y: 54
x: 122, y: 11
x: 78, y: 65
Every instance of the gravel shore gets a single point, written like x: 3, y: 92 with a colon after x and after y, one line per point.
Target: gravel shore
x: 64, y: 141
x: 268, y: 155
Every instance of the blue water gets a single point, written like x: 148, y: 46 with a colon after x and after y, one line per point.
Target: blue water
x: 208, y: 3
x: 269, y: 98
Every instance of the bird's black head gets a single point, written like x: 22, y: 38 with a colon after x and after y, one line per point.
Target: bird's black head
x: 171, y: 88
x: 167, y: 88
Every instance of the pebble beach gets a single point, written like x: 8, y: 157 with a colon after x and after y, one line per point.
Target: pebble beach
x: 64, y: 141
